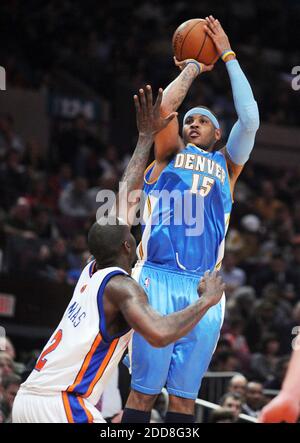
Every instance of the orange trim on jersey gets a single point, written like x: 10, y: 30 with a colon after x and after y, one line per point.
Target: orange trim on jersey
x: 89, y: 415
x: 103, y: 366
x: 145, y: 173
x: 149, y: 205
x: 67, y: 407
x: 141, y: 252
x: 229, y: 179
x: 85, y: 363
x: 219, y: 265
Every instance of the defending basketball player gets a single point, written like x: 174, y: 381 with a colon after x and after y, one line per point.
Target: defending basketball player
x: 84, y: 350
x: 173, y: 256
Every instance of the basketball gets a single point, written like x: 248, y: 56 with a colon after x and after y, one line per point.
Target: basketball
x: 191, y: 41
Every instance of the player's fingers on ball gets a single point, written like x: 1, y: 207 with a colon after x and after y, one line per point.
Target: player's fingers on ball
x: 177, y: 62
x: 210, y: 20
x: 213, y: 22
x: 208, y: 31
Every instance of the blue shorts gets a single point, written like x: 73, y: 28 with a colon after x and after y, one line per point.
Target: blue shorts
x: 179, y: 366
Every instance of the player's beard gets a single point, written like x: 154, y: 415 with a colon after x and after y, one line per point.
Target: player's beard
x: 206, y: 145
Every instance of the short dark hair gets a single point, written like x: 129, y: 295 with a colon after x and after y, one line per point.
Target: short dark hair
x: 105, y: 240
x: 234, y: 395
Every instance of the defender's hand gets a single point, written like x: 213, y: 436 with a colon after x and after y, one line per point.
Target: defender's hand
x: 283, y: 408
x: 217, y: 33
x: 202, y: 67
x: 211, y: 287
x: 148, y: 118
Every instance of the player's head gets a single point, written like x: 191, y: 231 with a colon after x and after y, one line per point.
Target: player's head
x: 111, y: 242
x: 201, y: 127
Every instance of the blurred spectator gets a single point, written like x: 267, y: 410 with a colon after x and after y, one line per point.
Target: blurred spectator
x: 9, y: 139
x: 11, y: 384
x: 232, y: 402
x: 233, y: 276
x: 9, y: 348
x: 237, y: 385
x: 280, y: 370
x: 267, y: 204
x: 254, y: 400
x: 6, y: 364
x: 78, y: 247
x: 225, y: 361
x: 44, y: 224
x: 33, y: 157
x: 222, y: 415
x: 263, y: 363
x: 260, y: 323
x: 19, y: 223
x: 277, y: 272
x: 13, y: 179
x: 238, y: 341
x: 75, y: 145
x: 74, y: 200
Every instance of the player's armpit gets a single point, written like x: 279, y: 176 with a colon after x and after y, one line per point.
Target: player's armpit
x: 131, y: 300
x: 233, y: 169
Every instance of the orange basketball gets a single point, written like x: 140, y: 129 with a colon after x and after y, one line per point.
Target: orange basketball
x: 191, y: 41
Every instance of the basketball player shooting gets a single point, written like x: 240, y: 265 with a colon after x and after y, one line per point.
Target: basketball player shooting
x: 84, y: 350
x: 171, y: 261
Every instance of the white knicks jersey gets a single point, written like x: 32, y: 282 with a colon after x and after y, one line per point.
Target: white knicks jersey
x: 80, y: 355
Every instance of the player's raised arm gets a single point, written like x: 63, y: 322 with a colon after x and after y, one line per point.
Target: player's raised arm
x: 242, y: 135
x: 157, y: 329
x: 168, y: 140
x: 149, y: 122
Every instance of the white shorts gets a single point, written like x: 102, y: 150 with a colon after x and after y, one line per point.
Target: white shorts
x: 32, y: 408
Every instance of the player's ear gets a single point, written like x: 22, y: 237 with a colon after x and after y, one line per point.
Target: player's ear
x: 218, y: 134
x: 127, y: 246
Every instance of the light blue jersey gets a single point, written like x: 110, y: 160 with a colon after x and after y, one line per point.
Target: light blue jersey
x: 183, y: 237
x: 187, y: 230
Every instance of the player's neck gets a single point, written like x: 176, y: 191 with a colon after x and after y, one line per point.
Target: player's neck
x: 118, y: 263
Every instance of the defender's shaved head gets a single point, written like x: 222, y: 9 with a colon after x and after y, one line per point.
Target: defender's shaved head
x: 106, y: 239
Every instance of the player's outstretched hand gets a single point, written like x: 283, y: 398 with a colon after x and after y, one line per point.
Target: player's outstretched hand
x: 211, y: 287
x: 202, y: 67
x: 148, y: 118
x: 216, y: 32
x: 283, y: 408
